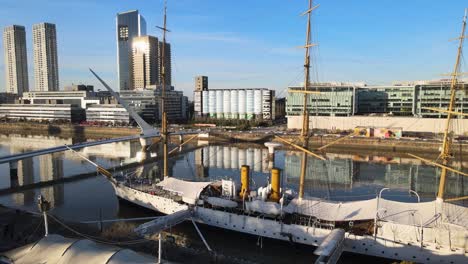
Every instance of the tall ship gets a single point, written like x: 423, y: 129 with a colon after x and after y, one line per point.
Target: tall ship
x: 425, y: 232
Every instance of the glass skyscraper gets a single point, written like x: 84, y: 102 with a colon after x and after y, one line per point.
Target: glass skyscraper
x: 129, y: 24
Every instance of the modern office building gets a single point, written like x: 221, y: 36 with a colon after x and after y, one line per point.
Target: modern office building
x: 39, y: 112
x: 397, y: 100
x: 167, y: 62
x: 437, y: 95
x: 110, y: 113
x: 128, y: 25
x: 81, y: 99
x: 333, y: 99
x: 16, y: 61
x: 46, y: 76
x: 401, y: 105
x: 145, y: 64
x: 147, y: 104
x: 244, y: 104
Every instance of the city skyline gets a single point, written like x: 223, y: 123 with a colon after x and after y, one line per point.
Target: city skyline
x: 255, y: 46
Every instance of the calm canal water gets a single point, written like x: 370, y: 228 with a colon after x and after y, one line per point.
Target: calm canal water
x: 342, y: 177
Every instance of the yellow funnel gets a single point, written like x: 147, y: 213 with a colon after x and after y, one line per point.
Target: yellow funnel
x: 275, y: 194
x: 244, y: 181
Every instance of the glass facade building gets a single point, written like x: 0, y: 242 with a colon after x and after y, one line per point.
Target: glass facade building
x: 409, y: 99
x: 333, y: 100
x: 128, y: 25
x: 394, y: 100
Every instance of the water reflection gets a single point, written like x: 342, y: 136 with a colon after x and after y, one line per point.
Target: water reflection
x: 340, y: 177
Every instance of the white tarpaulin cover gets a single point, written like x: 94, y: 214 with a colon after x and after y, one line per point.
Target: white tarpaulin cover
x: 424, y: 213
x: 55, y: 249
x: 417, y: 214
x: 190, y: 191
x: 333, y: 211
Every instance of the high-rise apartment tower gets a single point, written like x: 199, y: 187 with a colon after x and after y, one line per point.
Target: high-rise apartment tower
x: 16, y: 62
x: 45, y: 57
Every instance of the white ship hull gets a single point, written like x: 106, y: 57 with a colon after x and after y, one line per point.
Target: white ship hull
x: 367, y: 245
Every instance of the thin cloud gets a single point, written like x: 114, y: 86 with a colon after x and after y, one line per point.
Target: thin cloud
x: 226, y: 37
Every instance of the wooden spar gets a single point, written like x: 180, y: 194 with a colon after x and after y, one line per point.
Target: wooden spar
x: 456, y: 199
x: 444, y: 111
x: 444, y: 167
x: 187, y: 141
x: 310, y: 10
x: 98, y: 167
x: 301, y: 148
x: 336, y: 141
x: 303, y: 92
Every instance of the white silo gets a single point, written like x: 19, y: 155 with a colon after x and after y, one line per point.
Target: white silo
x: 219, y: 157
x: 227, y: 104
x: 242, y: 104
x: 212, y: 157
x: 250, y: 158
x: 242, y: 157
x: 206, y: 156
x: 234, y: 158
x: 265, y: 160
x: 234, y: 104
x: 257, y: 160
x: 212, y: 103
x: 249, y: 104
x: 258, y: 103
x: 219, y: 104
x: 205, y: 104
x: 227, y: 157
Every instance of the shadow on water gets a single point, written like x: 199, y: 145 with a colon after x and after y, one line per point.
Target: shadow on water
x: 53, y: 130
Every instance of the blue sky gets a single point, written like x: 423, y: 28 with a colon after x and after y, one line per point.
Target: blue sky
x: 252, y: 43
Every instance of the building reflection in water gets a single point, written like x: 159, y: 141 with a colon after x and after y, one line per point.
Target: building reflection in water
x: 230, y: 158
x: 51, y: 168
x: 345, y: 172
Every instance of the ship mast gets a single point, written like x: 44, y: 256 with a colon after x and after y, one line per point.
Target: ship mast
x: 164, y: 133
x: 305, y: 112
x: 445, y: 152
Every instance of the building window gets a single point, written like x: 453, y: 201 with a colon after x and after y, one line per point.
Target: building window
x: 123, y: 33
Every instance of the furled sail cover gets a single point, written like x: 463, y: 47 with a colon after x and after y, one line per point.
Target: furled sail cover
x: 190, y: 191
x: 333, y: 211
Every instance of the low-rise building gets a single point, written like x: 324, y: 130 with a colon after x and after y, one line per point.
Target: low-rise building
x: 109, y: 113
x: 332, y: 99
x: 147, y: 104
x: 38, y: 112
x: 80, y: 98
